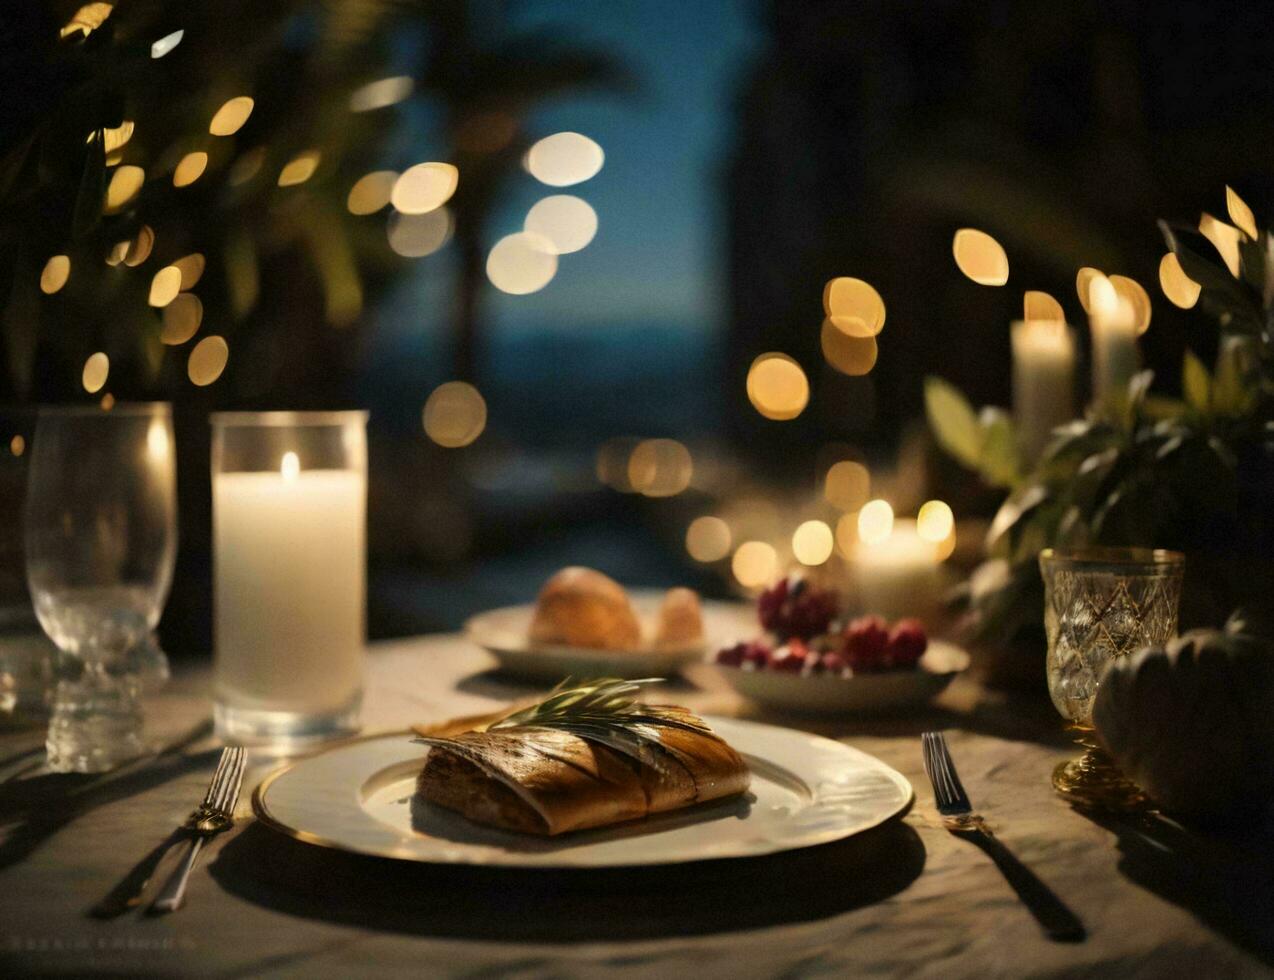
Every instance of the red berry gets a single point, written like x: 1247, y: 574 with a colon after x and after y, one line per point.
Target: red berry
x: 756, y: 655
x: 834, y: 663
x: 866, y: 640
x: 794, y: 606
x: 907, y: 643
x: 732, y: 656
x: 790, y: 659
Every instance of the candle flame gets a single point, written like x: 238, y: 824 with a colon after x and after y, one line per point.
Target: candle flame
x: 290, y: 466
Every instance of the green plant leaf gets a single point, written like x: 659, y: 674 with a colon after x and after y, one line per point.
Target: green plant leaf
x: 953, y: 421
x: 1196, y: 385
x: 1232, y: 397
x: 1000, y: 464
x: 1019, y: 504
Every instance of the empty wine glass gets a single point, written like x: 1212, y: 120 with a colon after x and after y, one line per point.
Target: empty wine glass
x: 101, y: 538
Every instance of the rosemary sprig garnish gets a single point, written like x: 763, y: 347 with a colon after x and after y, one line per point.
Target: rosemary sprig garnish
x: 602, y: 708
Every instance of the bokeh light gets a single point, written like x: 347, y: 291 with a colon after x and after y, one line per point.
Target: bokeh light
x: 1240, y: 213
x: 660, y: 468
x: 230, y: 117
x: 1039, y: 305
x: 17, y: 445
x: 454, y: 414
x: 1083, y: 284
x: 708, y: 539
x: 107, y: 402
x: 126, y: 181
x: 755, y: 564
x: 424, y: 187
x: 777, y: 387
x: 521, y: 263
x: 114, y: 137
x: 1103, y: 298
x: 1226, y: 240
x: 191, y: 268
x: 139, y: 248
x: 1180, y: 289
x: 87, y: 19
x: 207, y: 360
x: 850, y: 355
x: 854, y: 306
x: 371, y: 192
x: 980, y: 257
x: 96, y: 370
x: 380, y: 93
x: 568, y: 222
x: 165, y: 286
x: 935, y: 521
x: 166, y: 44
x: 847, y: 533
x: 190, y: 168
x: 300, y: 168
x: 812, y: 543
x: 847, y: 485
x: 875, y: 521
x: 117, y: 253
x: 55, y: 273
x: 181, y: 319
x: 1137, y: 297
x: 416, y: 235
x: 612, y: 462
x: 564, y: 159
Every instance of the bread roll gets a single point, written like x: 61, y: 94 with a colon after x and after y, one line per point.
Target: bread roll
x: 680, y: 621
x: 579, y: 607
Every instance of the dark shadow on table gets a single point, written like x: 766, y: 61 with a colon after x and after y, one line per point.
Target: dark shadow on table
x: 37, y: 807
x: 1225, y: 882
x: 553, y: 906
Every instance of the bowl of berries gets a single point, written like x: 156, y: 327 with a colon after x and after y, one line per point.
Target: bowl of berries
x: 809, y: 659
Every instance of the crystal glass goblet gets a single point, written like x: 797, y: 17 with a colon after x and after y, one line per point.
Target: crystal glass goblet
x: 1101, y: 604
x: 101, y: 539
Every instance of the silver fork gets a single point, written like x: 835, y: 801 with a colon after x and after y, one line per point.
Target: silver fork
x: 959, y: 818
x: 211, y: 817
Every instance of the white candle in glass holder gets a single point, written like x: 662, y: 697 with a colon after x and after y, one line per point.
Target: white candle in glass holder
x: 1043, y: 381
x: 1113, y: 322
x: 899, y: 576
x: 290, y: 566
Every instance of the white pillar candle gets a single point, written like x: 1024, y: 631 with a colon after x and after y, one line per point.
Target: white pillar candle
x: 1113, y: 321
x: 290, y: 567
x: 899, y: 576
x: 1043, y: 381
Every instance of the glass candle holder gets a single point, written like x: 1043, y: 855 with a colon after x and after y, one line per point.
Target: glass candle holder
x: 1101, y: 604
x: 289, y: 505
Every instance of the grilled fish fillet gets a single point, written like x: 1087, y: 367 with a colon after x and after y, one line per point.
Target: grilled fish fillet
x: 547, y: 781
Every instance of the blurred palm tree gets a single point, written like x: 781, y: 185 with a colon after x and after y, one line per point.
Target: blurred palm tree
x: 489, y: 78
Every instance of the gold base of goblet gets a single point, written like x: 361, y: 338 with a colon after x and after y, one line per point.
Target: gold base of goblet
x: 1094, y: 782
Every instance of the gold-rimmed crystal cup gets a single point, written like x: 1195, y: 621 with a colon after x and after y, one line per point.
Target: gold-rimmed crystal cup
x: 1101, y: 604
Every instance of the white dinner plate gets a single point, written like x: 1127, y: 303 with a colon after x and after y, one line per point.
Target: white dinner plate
x: 826, y: 694
x: 805, y: 790
x: 503, y: 633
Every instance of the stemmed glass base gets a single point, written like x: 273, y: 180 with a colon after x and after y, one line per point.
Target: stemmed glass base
x: 1093, y: 781
x: 96, y: 722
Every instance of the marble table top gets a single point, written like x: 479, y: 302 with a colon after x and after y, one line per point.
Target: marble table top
x: 905, y: 899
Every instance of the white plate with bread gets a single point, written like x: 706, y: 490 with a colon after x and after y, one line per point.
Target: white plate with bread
x: 363, y: 796
x: 585, y: 624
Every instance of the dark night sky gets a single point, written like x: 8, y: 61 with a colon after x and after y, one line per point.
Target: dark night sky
x: 658, y: 255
